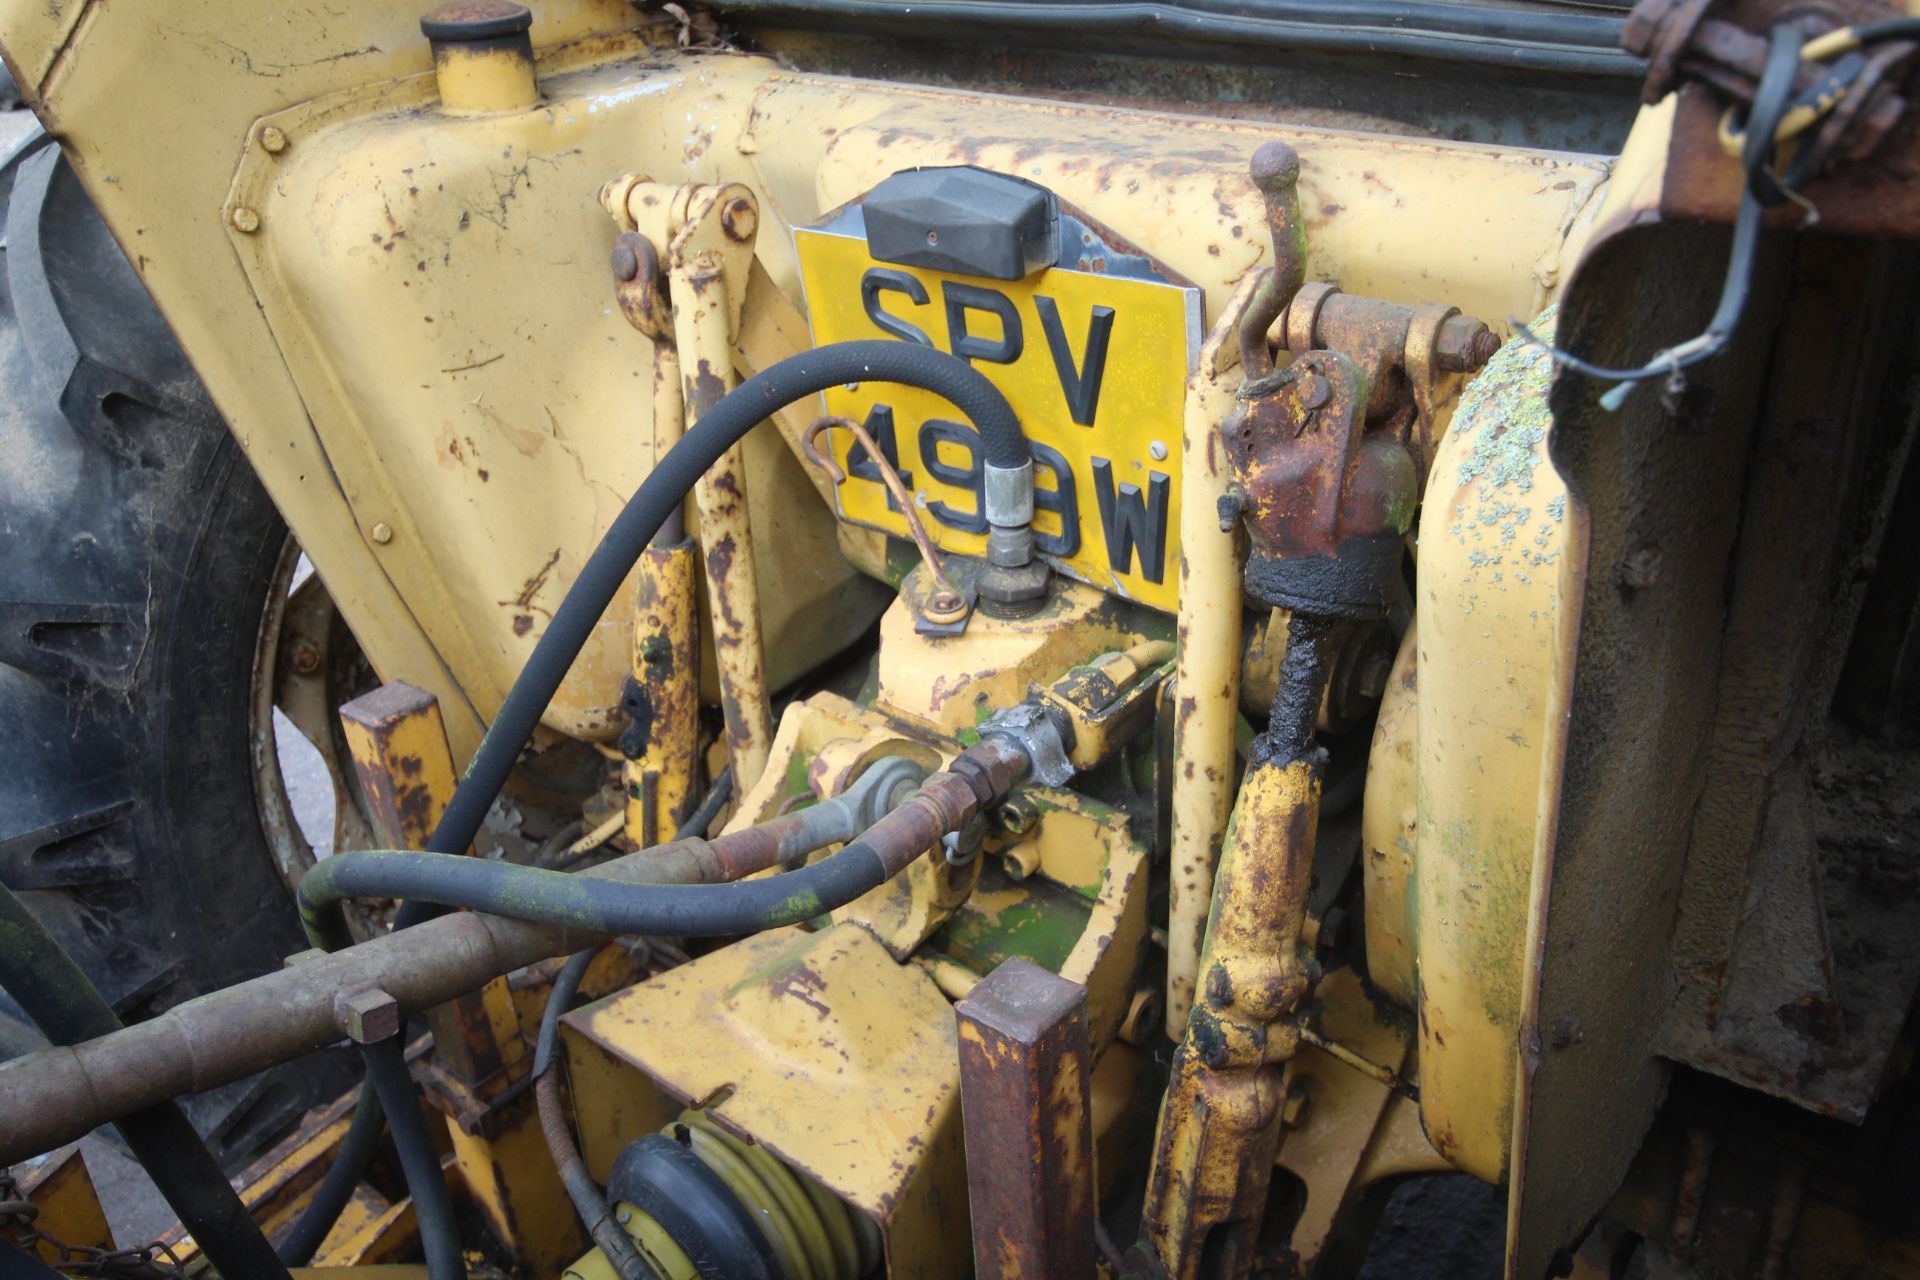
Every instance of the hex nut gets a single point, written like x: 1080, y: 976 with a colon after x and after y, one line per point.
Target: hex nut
x: 1009, y: 592
x: 272, y: 140
x: 245, y: 220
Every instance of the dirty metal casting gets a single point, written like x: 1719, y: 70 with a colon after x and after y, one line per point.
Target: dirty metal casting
x: 1326, y: 504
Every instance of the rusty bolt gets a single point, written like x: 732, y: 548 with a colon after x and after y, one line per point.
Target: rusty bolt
x: 946, y: 603
x: 626, y: 263
x: 1313, y: 390
x: 382, y: 532
x: 272, y: 140
x: 245, y: 220
x: 305, y: 659
x: 1230, y: 506
x: 367, y: 1014
x: 1464, y: 344
x: 738, y: 219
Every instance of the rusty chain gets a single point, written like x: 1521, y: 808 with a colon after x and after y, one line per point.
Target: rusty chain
x: 17, y: 1213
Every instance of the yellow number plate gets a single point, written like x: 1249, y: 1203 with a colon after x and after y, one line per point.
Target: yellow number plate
x: 1094, y: 364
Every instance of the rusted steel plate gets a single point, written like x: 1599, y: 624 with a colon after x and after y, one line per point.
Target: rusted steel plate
x: 1024, y: 1065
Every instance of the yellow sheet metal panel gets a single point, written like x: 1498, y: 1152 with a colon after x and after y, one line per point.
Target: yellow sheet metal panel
x: 1493, y: 581
x: 481, y: 396
x: 819, y: 1047
x: 198, y: 74
x: 1389, y: 829
x: 349, y: 402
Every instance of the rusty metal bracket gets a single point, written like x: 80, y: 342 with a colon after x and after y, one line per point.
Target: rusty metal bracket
x: 1025, y: 1067
x: 709, y: 232
x: 1682, y: 42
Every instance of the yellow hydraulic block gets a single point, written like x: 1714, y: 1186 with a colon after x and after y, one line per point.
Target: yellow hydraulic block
x: 1220, y: 1124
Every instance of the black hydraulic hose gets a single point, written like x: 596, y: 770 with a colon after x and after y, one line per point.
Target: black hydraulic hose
x: 46, y: 983
x: 1296, y: 700
x: 632, y: 530
x: 419, y: 1160
x: 591, y: 1206
x: 336, y: 1189
x: 584, y: 902
x: 661, y: 493
x: 1519, y: 39
x: 369, y: 1121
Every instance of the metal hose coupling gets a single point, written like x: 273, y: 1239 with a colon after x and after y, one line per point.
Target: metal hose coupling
x: 1013, y: 582
x: 979, y: 777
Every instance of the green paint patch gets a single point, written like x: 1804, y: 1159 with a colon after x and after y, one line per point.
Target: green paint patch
x: 1037, y: 919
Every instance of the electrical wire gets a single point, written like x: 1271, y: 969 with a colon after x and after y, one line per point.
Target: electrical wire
x: 1772, y: 99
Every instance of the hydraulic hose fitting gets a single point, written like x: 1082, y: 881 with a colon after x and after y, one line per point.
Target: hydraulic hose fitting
x: 1013, y: 582
x: 1041, y: 733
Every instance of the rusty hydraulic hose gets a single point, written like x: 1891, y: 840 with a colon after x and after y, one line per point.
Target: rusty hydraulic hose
x: 58, y: 1095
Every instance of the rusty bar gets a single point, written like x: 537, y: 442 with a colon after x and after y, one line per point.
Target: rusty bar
x: 58, y: 1095
x: 700, y: 317
x: 405, y: 766
x: 1024, y: 1070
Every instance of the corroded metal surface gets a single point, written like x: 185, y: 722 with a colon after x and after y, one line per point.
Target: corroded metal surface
x: 663, y: 698
x: 1325, y: 503
x: 1220, y: 1121
x: 405, y: 767
x: 1024, y: 1073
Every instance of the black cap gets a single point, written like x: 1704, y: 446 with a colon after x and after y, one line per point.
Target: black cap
x: 476, y: 20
